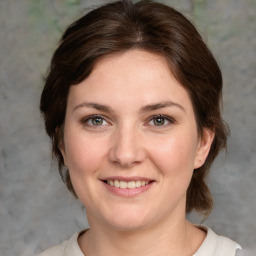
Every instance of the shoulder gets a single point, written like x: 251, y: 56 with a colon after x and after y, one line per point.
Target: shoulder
x: 57, y: 250
x: 215, y: 245
x: 66, y: 248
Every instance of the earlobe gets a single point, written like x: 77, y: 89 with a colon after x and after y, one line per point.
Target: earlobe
x: 61, y: 145
x: 61, y: 148
x: 204, y: 146
x: 63, y: 152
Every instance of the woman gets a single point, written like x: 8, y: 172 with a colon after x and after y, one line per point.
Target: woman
x: 132, y: 106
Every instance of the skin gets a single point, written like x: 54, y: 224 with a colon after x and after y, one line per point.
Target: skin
x: 126, y: 139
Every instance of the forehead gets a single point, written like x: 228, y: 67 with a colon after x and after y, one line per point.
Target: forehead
x: 130, y: 77
x: 134, y: 62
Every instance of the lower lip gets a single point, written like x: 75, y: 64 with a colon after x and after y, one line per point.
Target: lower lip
x: 128, y: 192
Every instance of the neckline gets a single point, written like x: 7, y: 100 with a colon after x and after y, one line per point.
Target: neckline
x: 74, y: 241
x: 209, y: 244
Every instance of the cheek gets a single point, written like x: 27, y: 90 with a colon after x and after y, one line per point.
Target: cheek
x: 174, y: 160
x: 175, y: 155
x: 85, y: 159
x: 84, y: 154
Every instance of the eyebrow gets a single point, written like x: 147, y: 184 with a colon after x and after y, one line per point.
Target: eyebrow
x: 143, y: 109
x: 97, y: 106
x: 160, y: 105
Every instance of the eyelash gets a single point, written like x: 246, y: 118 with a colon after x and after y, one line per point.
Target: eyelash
x: 163, y: 117
x: 88, y: 119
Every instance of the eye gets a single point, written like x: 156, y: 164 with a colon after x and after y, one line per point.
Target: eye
x: 95, y: 120
x: 160, y: 120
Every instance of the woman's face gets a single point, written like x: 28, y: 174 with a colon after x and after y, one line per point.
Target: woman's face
x: 131, y: 142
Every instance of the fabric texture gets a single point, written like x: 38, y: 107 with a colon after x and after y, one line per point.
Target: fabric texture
x: 213, y: 245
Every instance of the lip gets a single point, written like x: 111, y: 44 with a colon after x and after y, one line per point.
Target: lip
x: 127, y: 179
x: 128, y: 192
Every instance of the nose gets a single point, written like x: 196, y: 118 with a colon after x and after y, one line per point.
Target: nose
x: 127, y: 147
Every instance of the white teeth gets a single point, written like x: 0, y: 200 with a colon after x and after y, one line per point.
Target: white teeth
x: 130, y: 184
x: 123, y: 184
x: 116, y: 184
x: 138, y: 183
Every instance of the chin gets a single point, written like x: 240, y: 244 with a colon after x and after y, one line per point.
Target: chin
x: 130, y: 220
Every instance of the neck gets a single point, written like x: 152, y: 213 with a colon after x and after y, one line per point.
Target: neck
x: 169, y: 238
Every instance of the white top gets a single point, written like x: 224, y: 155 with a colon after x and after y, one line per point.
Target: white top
x: 213, y: 245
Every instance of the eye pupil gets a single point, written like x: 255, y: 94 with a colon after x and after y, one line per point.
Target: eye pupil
x: 97, y: 121
x: 159, y: 121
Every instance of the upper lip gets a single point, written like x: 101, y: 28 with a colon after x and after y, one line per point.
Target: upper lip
x: 127, y: 179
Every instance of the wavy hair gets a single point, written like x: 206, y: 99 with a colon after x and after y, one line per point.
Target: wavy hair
x: 151, y: 26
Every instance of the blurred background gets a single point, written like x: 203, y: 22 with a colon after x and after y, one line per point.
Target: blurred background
x: 36, y: 210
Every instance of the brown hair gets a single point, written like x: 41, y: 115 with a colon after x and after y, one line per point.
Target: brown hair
x: 154, y: 27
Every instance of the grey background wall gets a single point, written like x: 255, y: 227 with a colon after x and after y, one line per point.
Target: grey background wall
x: 36, y: 211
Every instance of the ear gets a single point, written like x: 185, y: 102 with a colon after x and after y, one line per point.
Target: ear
x: 61, y: 145
x: 203, y: 147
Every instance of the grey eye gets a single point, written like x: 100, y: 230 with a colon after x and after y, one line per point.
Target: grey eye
x: 97, y: 121
x: 94, y: 120
x: 158, y: 121
x: 161, y: 120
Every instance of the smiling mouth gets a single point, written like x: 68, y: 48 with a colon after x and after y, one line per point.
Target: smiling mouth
x: 129, y: 184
